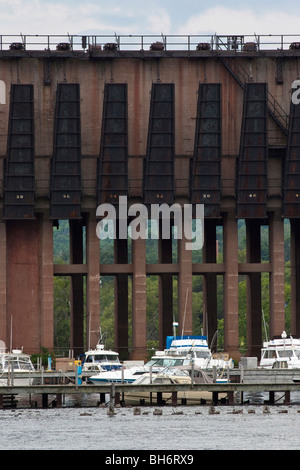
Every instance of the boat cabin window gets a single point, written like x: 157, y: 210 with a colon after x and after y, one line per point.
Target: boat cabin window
x: 269, y: 354
x: 202, y: 354
x: 164, y: 362
x: 286, y: 353
x: 102, y: 358
x: 18, y: 363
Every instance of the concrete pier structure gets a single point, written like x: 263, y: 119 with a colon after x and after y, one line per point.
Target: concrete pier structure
x: 82, y: 125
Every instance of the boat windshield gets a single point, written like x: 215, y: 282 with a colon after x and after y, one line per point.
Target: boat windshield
x: 202, y: 354
x: 166, y: 362
x: 269, y: 354
x: 102, y: 358
x: 286, y: 353
x: 18, y: 363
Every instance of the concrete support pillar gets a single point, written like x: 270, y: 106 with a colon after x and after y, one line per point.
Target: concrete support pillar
x: 139, y: 319
x: 93, y: 281
x: 165, y: 290
x: 121, y: 300
x: 185, y: 287
x: 46, y: 282
x: 3, y: 314
x: 254, y: 307
x: 77, y: 307
x: 23, y: 283
x: 209, y: 251
x: 295, y: 278
x: 277, y: 300
x: 231, y: 299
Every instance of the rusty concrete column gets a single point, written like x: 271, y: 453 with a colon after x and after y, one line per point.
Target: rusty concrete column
x: 185, y: 287
x: 165, y: 289
x: 209, y: 251
x: 295, y: 278
x: 77, y: 307
x: 231, y: 292
x: 121, y: 299
x: 277, y: 300
x: 3, y: 315
x: 139, y: 338
x: 254, y: 307
x: 92, y: 282
x: 46, y: 281
x: 23, y: 283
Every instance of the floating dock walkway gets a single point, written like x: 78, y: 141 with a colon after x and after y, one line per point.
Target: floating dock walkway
x: 254, y: 381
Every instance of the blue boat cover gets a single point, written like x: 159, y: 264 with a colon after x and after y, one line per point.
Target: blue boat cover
x: 170, y: 339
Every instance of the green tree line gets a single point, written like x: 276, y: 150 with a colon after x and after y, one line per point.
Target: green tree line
x: 62, y: 291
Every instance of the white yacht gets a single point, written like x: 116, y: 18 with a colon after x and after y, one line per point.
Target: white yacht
x: 183, y: 350
x: 101, y: 359
x: 282, y: 352
x: 180, y: 351
x: 14, y: 362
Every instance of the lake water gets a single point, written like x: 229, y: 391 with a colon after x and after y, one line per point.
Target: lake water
x: 181, y: 428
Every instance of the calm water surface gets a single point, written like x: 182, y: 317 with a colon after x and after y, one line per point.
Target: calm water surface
x: 242, y: 427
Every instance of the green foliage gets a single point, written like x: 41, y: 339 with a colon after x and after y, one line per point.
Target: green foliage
x: 44, y: 355
x: 62, y: 318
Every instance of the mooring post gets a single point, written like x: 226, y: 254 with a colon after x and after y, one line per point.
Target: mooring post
x: 45, y: 400
x: 58, y: 400
x: 117, y: 398
x: 174, y: 398
x: 112, y: 397
x: 287, y: 398
x: 214, y: 374
x: 231, y: 400
x: 215, y: 398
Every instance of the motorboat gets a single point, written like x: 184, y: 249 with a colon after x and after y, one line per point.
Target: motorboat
x: 14, y: 363
x: 281, y: 353
x: 100, y: 359
x: 185, y: 374
x: 123, y: 375
x: 183, y: 350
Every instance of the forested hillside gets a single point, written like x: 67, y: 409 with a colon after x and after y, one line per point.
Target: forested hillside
x: 62, y: 290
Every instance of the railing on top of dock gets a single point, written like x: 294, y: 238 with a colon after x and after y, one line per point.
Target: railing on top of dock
x: 132, y: 42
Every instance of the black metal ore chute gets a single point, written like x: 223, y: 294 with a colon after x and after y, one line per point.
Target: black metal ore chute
x: 291, y: 183
x: 159, y: 186
x: 252, y: 161
x: 66, y: 160
x: 19, y: 180
x: 206, y: 164
x: 113, y: 160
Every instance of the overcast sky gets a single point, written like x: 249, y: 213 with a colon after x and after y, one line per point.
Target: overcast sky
x: 185, y: 17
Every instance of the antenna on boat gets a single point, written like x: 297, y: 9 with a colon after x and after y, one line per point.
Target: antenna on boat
x: 205, y: 321
x: 265, y: 327
x: 11, y: 322
x: 175, y: 323
x: 186, y: 297
x: 213, y: 339
x: 89, y: 335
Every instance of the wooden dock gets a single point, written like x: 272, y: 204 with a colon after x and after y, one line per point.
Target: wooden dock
x: 271, y: 381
